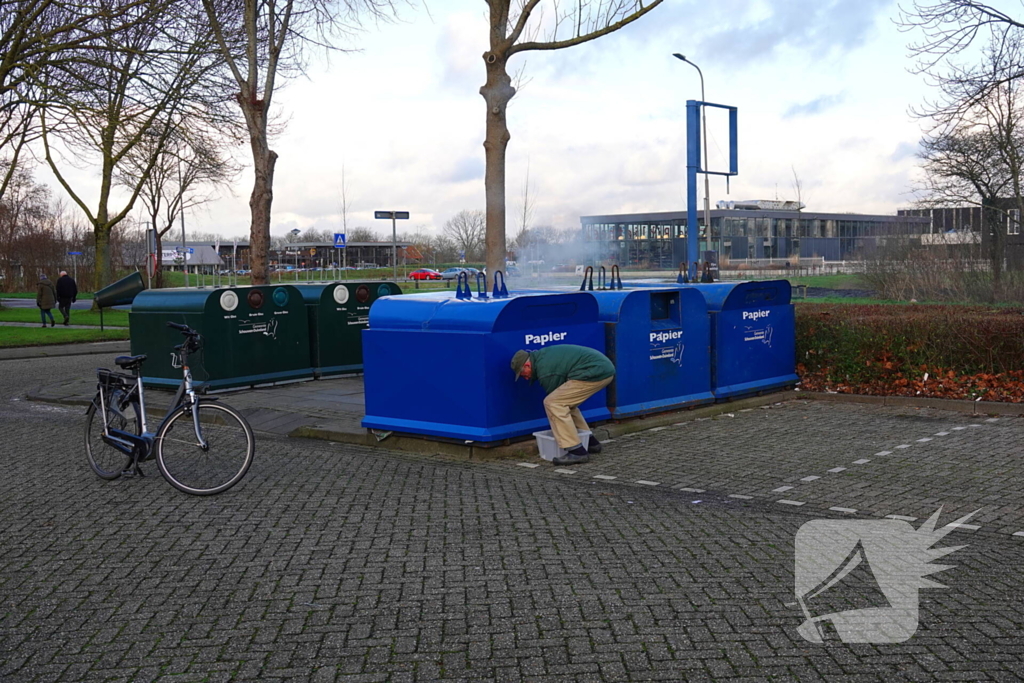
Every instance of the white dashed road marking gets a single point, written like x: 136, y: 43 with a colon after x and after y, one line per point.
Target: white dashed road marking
x: 904, y: 445
x: 837, y: 470
x: 862, y: 461
x: 647, y: 483
x: 790, y: 502
x: 603, y: 476
x: 691, y: 490
x: 529, y: 464
x: 941, y: 433
x: 884, y: 453
x: 781, y: 489
x: 1019, y: 533
x: 740, y: 496
x: 968, y: 527
x: 810, y: 478
x: 847, y: 510
x: 925, y: 439
x: 902, y: 518
x: 562, y: 471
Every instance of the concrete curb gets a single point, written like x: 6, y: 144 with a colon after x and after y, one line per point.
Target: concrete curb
x: 527, y: 448
x: 958, y: 405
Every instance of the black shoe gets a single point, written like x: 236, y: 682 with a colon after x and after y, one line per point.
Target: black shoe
x: 66, y: 323
x: 574, y: 456
x: 53, y: 324
x: 594, y: 446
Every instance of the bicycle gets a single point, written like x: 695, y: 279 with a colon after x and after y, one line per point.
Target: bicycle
x: 202, y: 446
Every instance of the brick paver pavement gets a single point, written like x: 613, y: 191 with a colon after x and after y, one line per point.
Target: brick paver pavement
x: 343, y: 563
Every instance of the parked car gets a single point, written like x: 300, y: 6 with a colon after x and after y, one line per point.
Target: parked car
x: 425, y: 274
x: 452, y: 273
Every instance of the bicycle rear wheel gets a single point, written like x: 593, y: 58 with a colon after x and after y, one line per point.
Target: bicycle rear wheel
x: 187, y: 466
x: 106, y: 461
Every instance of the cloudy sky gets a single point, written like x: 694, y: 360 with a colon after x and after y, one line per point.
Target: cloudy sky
x: 822, y: 87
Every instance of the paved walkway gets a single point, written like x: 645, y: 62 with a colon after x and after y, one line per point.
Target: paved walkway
x: 338, y: 562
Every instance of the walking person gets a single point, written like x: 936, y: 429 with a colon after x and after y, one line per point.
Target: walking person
x: 570, y: 375
x: 46, y: 299
x: 67, y: 294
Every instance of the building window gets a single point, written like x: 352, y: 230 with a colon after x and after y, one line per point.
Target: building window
x: 1013, y: 222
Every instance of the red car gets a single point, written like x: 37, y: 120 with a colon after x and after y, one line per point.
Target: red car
x: 424, y: 274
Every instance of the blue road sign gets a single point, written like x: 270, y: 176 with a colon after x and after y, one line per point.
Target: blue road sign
x: 74, y: 253
x: 191, y: 250
x: 339, y: 240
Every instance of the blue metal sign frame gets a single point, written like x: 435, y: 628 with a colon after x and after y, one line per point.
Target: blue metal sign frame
x: 694, y: 166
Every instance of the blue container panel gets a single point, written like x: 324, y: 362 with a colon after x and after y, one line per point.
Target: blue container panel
x: 459, y: 385
x: 755, y: 350
x: 660, y: 344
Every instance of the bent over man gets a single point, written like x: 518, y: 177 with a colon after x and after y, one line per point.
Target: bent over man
x: 570, y: 375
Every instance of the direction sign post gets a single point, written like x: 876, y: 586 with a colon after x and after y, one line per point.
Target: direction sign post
x: 393, y: 215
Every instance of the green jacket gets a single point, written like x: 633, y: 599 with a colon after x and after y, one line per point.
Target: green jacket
x: 46, y: 295
x: 555, y: 365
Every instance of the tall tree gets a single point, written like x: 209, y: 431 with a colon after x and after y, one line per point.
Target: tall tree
x: 188, y: 169
x: 107, y: 99
x: 262, y: 43
x: 976, y: 139
x: 511, y: 32
x: 466, y: 229
x: 33, y: 35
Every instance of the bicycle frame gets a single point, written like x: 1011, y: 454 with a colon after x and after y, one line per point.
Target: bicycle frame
x: 140, y: 445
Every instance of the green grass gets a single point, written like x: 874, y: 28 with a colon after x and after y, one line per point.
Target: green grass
x: 37, y: 336
x: 31, y: 315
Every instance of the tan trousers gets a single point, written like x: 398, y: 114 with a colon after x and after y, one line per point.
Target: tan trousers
x: 562, y: 407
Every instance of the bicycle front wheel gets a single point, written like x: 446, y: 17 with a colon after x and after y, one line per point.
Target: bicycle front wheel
x: 202, y: 470
x: 106, y: 461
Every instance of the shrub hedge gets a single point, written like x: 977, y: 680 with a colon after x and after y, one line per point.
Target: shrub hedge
x: 898, y: 349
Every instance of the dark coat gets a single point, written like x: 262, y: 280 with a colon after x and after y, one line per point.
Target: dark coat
x: 66, y: 288
x: 46, y: 295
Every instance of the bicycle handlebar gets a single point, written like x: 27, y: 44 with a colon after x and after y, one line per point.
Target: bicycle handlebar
x: 184, y: 329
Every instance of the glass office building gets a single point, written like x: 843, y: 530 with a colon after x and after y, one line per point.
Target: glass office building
x: 658, y: 240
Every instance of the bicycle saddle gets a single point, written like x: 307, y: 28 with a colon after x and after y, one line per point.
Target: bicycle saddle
x: 129, y: 362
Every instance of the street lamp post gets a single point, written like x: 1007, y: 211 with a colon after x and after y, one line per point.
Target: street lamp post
x: 704, y: 131
x: 295, y: 233
x: 181, y: 208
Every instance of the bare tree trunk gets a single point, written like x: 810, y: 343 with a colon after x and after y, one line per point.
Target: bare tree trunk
x: 497, y: 93
x: 264, y: 160
x: 990, y: 218
x: 158, y: 267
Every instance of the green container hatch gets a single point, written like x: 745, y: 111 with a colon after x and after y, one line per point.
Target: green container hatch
x: 120, y: 293
x: 252, y: 335
x: 338, y: 312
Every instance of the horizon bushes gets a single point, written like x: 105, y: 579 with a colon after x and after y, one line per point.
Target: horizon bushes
x: 861, y: 344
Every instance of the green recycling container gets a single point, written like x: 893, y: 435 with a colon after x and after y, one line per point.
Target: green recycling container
x: 251, y: 335
x: 338, y: 312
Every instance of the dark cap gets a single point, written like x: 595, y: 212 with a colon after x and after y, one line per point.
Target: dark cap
x: 518, y: 361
